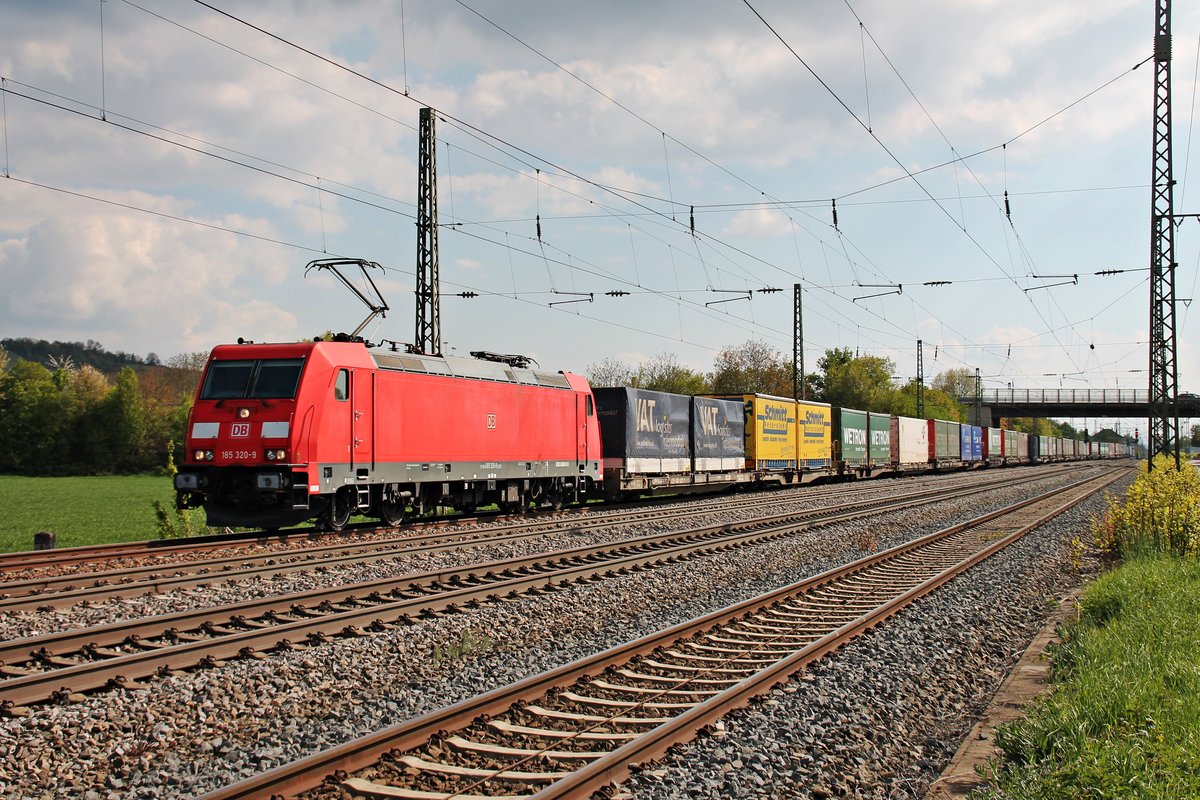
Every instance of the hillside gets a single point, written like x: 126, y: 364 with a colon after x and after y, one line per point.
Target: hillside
x: 91, y: 354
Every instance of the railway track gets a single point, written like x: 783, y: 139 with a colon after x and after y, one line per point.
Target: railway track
x: 62, y: 591
x: 62, y: 665
x: 571, y: 731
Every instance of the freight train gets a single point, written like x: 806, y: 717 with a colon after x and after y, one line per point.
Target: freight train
x: 284, y: 433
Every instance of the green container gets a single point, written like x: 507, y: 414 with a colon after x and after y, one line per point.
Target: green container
x: 851, y: 428
x: 879, y: 438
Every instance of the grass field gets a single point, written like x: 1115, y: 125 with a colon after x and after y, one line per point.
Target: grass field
x: 87, y: 510
x: 1121, y: 722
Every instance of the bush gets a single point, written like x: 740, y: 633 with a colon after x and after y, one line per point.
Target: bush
x: 1159, y: 513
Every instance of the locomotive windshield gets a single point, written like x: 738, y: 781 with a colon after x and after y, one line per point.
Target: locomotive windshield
x: 265, y: 378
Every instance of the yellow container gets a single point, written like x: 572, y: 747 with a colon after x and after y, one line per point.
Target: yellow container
x: 771, y: 432
x: 814, y: 426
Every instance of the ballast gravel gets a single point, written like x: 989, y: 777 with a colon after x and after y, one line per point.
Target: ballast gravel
x: 223, y: 589
x: 876, y: 721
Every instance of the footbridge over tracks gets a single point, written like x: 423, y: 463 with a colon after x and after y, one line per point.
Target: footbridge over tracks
x: 997, y: 403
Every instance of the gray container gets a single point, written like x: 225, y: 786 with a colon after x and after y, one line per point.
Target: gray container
x: 643, y: 431
x: 718, y: 434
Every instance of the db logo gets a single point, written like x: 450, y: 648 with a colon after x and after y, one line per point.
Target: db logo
x: 491, y: 420
x: 239, y: 430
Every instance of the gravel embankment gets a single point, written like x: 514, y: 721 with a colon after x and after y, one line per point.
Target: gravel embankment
x: 224, y: 589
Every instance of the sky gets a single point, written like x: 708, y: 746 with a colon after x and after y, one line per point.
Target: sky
x: 171, y: 167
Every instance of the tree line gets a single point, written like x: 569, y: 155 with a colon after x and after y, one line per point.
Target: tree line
x: 64, y: 418
x: 61, y: 417
x: 844, y: 378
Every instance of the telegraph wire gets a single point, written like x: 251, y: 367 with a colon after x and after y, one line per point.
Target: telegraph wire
x: 310, y: 249
x: 1004, y: 148
x: 210, y: 154
x: 4, y: 106
x: 638, y: 116
x: 558, y: 167
x: 656, y: 213
x: 392, y: 90
x: 173, y: 217
x: 892, y: 155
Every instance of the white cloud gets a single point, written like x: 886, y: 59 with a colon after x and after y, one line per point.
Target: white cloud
x: 759, y: 222
x: 744, y: 120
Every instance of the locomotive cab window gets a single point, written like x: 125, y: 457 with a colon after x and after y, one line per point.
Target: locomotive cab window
x: 277, y: 377
x: 267, y: 378
x: 341, y: 389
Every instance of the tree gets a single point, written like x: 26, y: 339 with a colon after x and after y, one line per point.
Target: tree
x: 3, y: 369
x: 957, y: 382
x: 610, y: 372
x: 31, y: 420
x: 752, y: 367
x: 190, y: 362
x: 664, y: 373
x: 862, y: 382
x: 84, y: 399
x: 938, y: 404
x: 126, y: 420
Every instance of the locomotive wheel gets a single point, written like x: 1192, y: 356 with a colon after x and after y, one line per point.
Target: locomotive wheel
x: 392, y: 513
x: 338, y: 513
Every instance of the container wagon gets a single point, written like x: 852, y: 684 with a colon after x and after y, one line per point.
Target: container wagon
x: 970, y: 444
x: 945, y: 447
x: 909, y: 440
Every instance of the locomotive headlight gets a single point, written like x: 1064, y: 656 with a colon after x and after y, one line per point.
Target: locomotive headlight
x: 203, y: 455
x: 243, y: 413
x: 276, y: 455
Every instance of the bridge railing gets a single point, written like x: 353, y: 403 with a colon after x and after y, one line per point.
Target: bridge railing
x: 1063, y: 396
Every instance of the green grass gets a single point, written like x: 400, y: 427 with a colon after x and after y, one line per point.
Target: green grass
x: 84, y: 510
x: 1123, y: 720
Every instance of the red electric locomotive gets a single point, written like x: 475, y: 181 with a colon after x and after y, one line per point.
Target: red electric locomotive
x: 282, y: 433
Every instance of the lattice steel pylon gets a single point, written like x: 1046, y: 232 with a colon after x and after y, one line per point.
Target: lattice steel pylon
x: 799, y: 390
x: 429, y: 316
x: 1163, y: 428
x: 920, y: 379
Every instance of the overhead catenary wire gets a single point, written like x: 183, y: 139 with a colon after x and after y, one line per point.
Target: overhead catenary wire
x: 321, y: 183
x: 886, y: 149
x: 327, y: 60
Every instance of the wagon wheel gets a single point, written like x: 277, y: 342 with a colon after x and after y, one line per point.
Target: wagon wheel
x: 341, y: 505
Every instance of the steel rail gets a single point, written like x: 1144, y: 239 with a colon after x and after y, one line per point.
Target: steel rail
x: 25, y: 560
x: 340, y: 761
x: 31, y: 560
x: 225, y: 635
x: 61, y: 591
